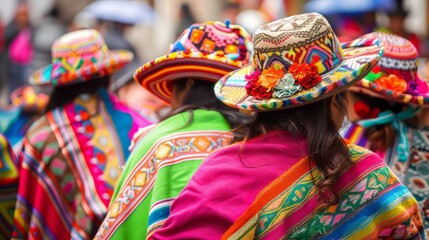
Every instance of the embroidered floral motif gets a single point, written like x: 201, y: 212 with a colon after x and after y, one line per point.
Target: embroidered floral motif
x: 392, y: 82
x: 305, y: 75
x: 286, y: 87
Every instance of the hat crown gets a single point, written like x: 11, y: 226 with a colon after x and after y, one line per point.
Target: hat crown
x: 305, y: 38
x: 400, y: 56
x: 81, y: 44
x: 215, y: 38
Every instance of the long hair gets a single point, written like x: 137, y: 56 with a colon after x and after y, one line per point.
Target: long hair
x: 380, y: 137
x: 62, y: 95
x: 316, y: 123
x: 201, y: 96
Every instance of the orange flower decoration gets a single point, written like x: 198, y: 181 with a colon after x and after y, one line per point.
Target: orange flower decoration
x: 393, y: 83
x: 270, y: 77
x: 305, y: 75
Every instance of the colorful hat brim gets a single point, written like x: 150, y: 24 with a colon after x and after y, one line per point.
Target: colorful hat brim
x: 359, y: 59
x: 157, y: 76
x: 388, y: 94
x: 50, y: 75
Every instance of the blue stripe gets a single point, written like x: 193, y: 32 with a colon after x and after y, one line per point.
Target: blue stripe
x: 159, y: 214
x: 122, y: 123
x: 389, y: 200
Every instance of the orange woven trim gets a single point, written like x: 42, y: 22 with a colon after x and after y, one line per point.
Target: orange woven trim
x: 159, y: 78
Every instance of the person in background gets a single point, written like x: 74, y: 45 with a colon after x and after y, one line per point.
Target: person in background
x: 44, y: 34
x: 15, y: 119
x: 384, y: 109
x: 114, y: 33
x: 3, y: 65
x: 19, y: 48
x: 186, y: 18
x: 132, y: 94
x: 8, y: 187
x: 290, y: 175
x: 397, y: 17
x: 73, y: 155
x: 166, y: 155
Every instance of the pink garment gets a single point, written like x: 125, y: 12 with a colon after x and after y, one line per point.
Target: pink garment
x: 206, y: 211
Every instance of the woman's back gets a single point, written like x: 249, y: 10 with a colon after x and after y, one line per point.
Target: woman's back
x: 76, y: 151
x: 161, y: 163
x: 273, y: 196
x: 72, y: 156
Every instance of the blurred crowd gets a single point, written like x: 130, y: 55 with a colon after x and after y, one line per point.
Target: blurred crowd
x: 25, y: 43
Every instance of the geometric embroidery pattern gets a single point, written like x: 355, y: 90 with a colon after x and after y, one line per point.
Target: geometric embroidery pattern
x: 166, y: 151
x: 372, y: 203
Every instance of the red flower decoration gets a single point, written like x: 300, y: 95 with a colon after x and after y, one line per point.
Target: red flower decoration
x: 254, y: 88
x: 364, y: 111
x: 305, y: 75
x: 257, y: 91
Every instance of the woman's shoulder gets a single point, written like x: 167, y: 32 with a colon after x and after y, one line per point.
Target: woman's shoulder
x: 357, y: 152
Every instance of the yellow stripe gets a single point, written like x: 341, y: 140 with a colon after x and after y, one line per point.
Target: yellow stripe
x: 394, y: 215
x: 356, y: 133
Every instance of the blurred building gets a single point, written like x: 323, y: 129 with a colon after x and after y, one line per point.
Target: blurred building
x: 153, y: 41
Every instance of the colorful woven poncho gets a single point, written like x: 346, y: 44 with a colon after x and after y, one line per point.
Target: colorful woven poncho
x: 413, y: 173
x: 159, y: 167
x: 70, y: 164
x: 8, y: 187
x: 264, y: 189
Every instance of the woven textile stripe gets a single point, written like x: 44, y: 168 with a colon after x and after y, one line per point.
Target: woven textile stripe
x: 291, y: 203
x: 8, y: 187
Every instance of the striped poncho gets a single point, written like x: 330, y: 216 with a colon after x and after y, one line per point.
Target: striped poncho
x: 70, y: 164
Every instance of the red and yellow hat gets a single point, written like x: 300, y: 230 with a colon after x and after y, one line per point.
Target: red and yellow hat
x: 205, y: 51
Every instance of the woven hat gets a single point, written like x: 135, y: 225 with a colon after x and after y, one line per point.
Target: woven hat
x: 204, y: 51
x: 79, y: 56
x: 395, y: 77
x: 297, y: 60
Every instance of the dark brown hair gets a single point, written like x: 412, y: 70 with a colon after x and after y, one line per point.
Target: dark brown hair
x: 316, y: 123
x: 62, y: 95
x: 201, y: 96
x: 380, y: 137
